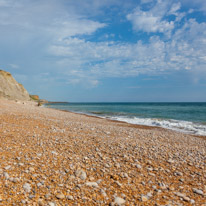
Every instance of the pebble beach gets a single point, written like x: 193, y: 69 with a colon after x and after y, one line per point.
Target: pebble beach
x: 51, y: 158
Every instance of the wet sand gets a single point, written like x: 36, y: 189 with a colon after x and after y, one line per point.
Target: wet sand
x: 51, y: 157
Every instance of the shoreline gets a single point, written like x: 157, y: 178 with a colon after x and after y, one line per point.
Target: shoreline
x: 132, y: 125
x: 51, y: 157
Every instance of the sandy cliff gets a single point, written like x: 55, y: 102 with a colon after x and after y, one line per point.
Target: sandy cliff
x: 10, y: 88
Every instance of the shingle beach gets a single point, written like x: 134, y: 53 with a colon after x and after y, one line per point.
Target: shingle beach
x: 51, y: 157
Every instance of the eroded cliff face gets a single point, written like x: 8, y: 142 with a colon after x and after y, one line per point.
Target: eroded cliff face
x: 11, y: 89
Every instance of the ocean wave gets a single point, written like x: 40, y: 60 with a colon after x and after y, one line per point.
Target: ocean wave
x: 178, y: 125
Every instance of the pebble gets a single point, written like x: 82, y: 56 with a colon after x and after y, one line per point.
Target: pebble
x: 31, y: 196
x: 47, y: 196
x: 178, y: 173
x: 7, y: 167
x: 186, y: 199
x: 81, y: 174
x: 69, y: 197
x: 91, y: 184
x: 117, y: 165
x: 52, y: 204
x: 40, y: 202
x: 119, y: 201
x: 192, y: 201
x: 103, y: 192
x: 6, y: 175
x: 27, y: 187
x: 60, y: 196
x: 31, y: 169
x: 179, y: 194
x: 14, y: 180
x: 138, y: 166
x: 199, y: 192
x: 144, y: 198
x: 171, y: 161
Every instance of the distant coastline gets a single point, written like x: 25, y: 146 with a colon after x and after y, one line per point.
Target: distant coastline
x: 57, y: 102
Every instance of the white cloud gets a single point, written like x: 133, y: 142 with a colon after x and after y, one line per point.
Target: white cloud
x: 95, y: 60
x: 175, y: 8
x: 154, y: 20
x: 149, y: 23
x: 50, y: 19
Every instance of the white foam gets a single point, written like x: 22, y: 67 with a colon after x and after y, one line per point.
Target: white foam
x: 178, y: 125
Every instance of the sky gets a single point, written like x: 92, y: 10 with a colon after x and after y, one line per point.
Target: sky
x: 106, y: 50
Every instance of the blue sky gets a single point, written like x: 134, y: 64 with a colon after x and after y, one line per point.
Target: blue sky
x: 106, y: 50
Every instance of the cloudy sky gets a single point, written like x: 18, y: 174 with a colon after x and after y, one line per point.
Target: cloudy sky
x: 106, y: 50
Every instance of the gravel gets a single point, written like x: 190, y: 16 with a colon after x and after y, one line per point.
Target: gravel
x: 51, y: 157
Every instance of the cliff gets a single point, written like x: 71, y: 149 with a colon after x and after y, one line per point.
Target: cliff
x: 34, y: 97
x: 11, y: 89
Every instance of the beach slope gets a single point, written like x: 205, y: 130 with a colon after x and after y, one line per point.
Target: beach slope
x: 51, y: 157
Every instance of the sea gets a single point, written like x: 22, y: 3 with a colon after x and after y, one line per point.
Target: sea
x: 183, y: 117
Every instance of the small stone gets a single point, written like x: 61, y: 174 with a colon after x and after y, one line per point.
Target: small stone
x: 118, y: 183
x: 21, y: 164
x: 40, y: 202
x: 143, y: 183
x: 60, y: 196
x: 181, y: 180
x: 149, y: 194
x: 180, y: 194
x: 138, y: 166
x: 91, y: 178
x: 171, y: 188
x: 151, y: 174
x: 117, y: 165
x: 69, y: 197
x: 31, y: 196
x: 199, y: 192
x: 6, y: 175
x: 81, y: 174
x: 27, y: 187
x: 144, y: 198
x: 91, y: 184
x: 54, y: 152
x: 119, y: 201
x: 103, y: 192
x: 14, y: 180
x: 186, y: 199
x: 170, y: 161
x: 31, y: 169
x: 99, y: 181
x: 52, y: 204
x: 178, y: 173
x: 47, y: 196
x: 7, y: 167
x: 126, y: 175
